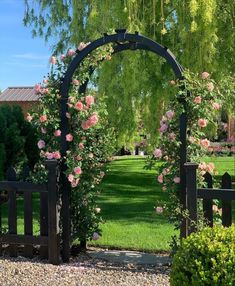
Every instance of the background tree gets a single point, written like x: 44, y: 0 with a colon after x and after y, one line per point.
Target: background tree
x: 18, y: 141
x: 200, y: 33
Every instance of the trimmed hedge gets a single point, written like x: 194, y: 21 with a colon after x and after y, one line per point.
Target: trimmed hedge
x: 206, y: 258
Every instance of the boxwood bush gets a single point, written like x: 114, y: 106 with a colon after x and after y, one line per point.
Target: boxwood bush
x: 205, y: 258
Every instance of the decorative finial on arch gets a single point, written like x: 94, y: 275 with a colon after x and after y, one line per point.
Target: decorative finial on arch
x: 120, y: 31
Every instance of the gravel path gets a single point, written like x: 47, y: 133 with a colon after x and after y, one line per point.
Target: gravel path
x: 82, y: 270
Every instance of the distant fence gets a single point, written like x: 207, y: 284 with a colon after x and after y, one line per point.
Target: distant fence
x: 226, y: 194
x: 48, y: 240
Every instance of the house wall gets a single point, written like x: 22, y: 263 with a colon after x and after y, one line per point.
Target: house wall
x: 25, y: 105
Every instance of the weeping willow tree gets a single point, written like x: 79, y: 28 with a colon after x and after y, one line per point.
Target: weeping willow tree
x: 200, y: 33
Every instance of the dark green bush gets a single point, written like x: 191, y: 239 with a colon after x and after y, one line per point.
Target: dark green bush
x: 18, y: 140
x: 206, y: 258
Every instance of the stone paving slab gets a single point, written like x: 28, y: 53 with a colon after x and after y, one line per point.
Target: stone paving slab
x: 130, y: 257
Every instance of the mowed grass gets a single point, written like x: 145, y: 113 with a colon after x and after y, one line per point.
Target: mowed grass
x: 127, y: 201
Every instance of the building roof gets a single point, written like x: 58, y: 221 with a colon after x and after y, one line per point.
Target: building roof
x: 19, y: 93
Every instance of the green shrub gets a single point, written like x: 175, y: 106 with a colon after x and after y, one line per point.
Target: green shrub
x: 206, y: 258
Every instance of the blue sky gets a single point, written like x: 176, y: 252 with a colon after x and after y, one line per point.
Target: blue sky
x: 23, y: 60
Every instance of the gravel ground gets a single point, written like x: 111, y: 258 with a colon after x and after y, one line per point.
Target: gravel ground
x: 82, y: 270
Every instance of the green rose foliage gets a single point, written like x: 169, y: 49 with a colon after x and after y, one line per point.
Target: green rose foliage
x: 90, y: 139
x: 205, y: 258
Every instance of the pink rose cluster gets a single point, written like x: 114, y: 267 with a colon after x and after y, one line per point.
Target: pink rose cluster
x: 204, y: 167
x: 53, y: 155
x: 93, y: 120
x: 72, y: 178
x: 163, y: 123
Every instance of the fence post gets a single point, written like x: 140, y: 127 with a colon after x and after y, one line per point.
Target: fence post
x: 191, y: 195
x: 53, y: 215
x: 226, y: 205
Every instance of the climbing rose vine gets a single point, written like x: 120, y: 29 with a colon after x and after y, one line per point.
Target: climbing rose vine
x: 89, y: 138
x: 202, y: 101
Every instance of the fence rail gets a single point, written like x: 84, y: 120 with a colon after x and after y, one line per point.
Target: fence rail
x: 226, y: 194
x: 48, y: 240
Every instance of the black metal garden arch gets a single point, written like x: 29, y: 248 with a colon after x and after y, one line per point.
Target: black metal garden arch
x: 122, y: 41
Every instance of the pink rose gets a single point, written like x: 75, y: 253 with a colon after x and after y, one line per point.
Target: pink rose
x: 71, y: 53
x: 170, y: 114
x: 41, y: 144
x: 44, y: 91
x: 43, y: 118
x: 57, y: 133
x: 89, y: 100
x: 45, y: 81
x: 56, y: 155
x: 76, y: 81
x: 159, y: 210
x: 216, y: 105
x: 69, y: 137
x: 78, y: 158
x: 49, y: 155
x: 37, y: 88
x: 157, y: 153
x: 176, y: 180
x: 53, y: 60
x: 29, y: 118
x: 163, y: 128
x: 79, y: 105
x: 93, y: 119
x: 210, y: 167
x: 95, y: 236
x: 202, y: 122
x: 85, y: 125
x: 70, y: 178
x: 74, y: 183
x: 81, y: 146
x: 160, y: 178
x: 77, y: 170
x: 205, y: 75
x: 197, y: 99
x: 81, y: 46
x: 210, y: 86
x: 205, y: 143
x: 62, y: 57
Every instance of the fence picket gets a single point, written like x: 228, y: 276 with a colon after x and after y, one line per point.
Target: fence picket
x: 207, y: 203
x: 28, y: 222
x: 44, y: 222
x: 226, y: 205
x: 12, y: 211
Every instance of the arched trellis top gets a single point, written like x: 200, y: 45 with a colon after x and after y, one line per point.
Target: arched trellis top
x: 122, y: 41
x: 134, y: 42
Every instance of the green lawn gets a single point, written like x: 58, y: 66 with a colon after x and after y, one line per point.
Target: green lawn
x: 127, y: 203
